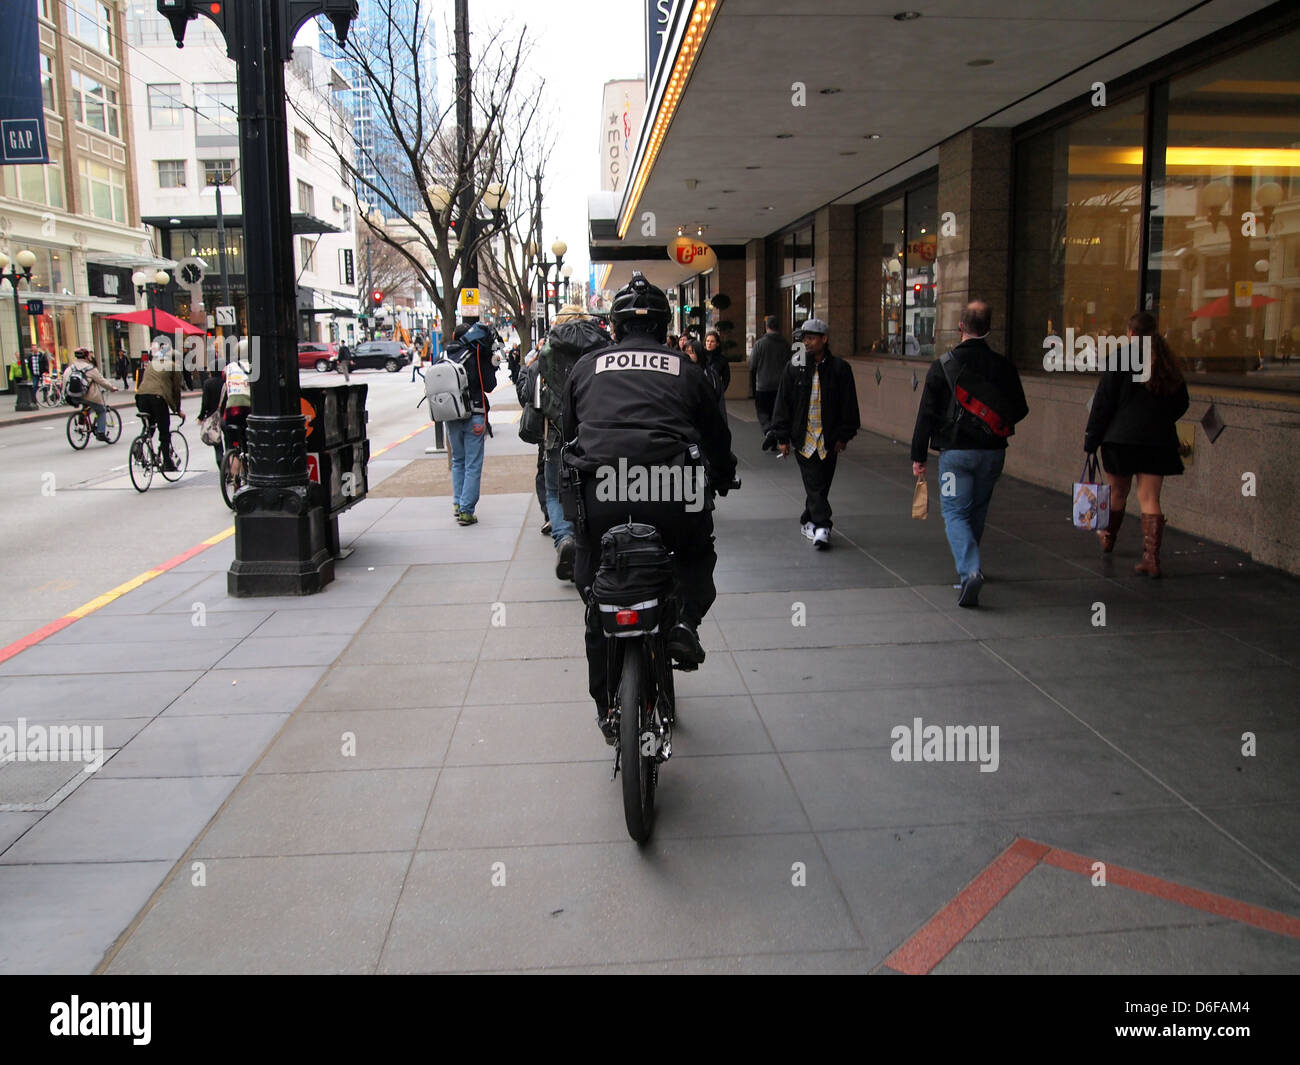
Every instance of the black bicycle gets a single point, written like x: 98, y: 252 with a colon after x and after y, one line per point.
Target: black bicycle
x: 146, y: 458
x: 81, y: 427
x: 637, y: 598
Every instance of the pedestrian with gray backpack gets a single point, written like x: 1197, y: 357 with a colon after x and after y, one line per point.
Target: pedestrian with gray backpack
x: 456, y: 386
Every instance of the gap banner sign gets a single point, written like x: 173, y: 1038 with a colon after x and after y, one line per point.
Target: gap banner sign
x: 22, y: 114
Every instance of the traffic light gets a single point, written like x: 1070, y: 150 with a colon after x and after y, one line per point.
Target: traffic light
x: 377, y: 297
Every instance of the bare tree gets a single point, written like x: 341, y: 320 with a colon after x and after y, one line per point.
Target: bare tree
x: 511, y: 268
x: 415, y: 145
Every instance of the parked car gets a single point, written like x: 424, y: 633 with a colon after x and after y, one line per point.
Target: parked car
x: 390, y: 355
x: 324, y: 357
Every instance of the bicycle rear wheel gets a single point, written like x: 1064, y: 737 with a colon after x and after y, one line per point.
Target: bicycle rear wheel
x: 141, y: 463
x: 636, y: 736
x: 181, y: 453
x: 112, y: 426
x: 230, y: 482
x: 78, y: 430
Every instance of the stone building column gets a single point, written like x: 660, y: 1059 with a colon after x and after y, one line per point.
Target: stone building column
x: 833, y: 274
x: 756, y: 307
x: 974, y: 262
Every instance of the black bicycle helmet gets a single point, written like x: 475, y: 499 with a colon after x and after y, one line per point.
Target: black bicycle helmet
x: 641, y: 308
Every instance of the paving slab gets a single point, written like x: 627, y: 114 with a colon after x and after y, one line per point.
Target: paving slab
x: 247, y: 691
x: 574, y: 905
x: 337, y: 812
x: 362, y: 739
x: 124, y: 820
x: 323, y: 913
x: 196, y: 746
x: 60, y: 919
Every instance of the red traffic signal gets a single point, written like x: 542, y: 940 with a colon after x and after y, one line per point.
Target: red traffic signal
x: 377, y: 297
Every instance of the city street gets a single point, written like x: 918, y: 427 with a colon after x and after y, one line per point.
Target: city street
x: 61, y: 501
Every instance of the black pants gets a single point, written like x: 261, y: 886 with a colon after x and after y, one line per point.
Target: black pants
x: 764, y: 403
x: 157, y: 409
x: 689, y: 535
x: 817, y: 476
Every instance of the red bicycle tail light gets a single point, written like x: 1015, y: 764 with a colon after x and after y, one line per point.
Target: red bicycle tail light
x: 626, y: 617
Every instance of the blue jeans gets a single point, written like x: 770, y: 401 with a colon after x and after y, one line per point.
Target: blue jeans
x: 560, y: 525
x: 101, y: 412
x: 466, y: 439
x: 964, y: 498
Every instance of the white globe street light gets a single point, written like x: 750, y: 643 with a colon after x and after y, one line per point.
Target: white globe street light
x: 559, y: 248
x: 495, y: 197
x: 139, y: 279
x: 439, y: 197
x: 26, y: 259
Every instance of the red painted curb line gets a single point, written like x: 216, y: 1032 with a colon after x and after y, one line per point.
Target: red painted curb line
x: 1207, y: 901
x: 936, y: 939
x: 976, y: 901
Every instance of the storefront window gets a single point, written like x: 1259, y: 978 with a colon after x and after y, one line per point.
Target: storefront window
x: 891, y: 274
x: 1078, y: 229
x: 1222, y: 269
x: 921, y: 273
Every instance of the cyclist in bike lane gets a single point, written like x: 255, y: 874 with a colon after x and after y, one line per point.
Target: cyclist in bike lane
x: 235, y: 406
x: 641, y: 402
x: 83, y: 362
x: 159, y: 393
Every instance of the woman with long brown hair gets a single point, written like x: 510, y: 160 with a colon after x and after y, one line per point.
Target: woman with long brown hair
x: 1133, y: 423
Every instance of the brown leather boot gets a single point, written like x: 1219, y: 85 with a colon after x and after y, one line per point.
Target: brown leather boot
x: 1153, y: 530
x: 1107, y: 535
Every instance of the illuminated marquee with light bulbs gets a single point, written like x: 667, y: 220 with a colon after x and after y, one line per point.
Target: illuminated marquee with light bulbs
x: 683, y: 64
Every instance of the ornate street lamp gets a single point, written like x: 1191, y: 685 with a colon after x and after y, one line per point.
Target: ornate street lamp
x: 558, y: 248
x: 161, y: 279
x: 20, y: 271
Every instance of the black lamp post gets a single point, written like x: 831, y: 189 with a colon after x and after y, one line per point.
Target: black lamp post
x: 20, y: 271
x: 558, y: 248
x: 144, y: 286
x: 282, y: 539
x: 496, y: 197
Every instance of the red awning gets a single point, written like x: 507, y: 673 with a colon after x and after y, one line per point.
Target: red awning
x: 1220, y: 308
x: 162, y: 320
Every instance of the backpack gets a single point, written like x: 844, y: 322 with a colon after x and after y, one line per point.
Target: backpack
x: 635, y: 574
x: 77, y: 387
x: 972, y: 405
x: 446, y: 386
x: 532, y: 424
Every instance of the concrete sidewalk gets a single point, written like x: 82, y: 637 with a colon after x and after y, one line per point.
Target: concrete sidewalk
x: 381, y: 779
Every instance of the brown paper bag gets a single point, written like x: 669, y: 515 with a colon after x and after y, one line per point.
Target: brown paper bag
x: 920, y: 500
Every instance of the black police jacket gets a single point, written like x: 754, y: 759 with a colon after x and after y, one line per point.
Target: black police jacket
x: 645, y: 403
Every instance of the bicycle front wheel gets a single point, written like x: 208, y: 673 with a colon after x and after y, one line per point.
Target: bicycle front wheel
x: 180, y: 455
x: 636, y: 737
x: 141, y: 463
x: 112, y: 426
x: 78, y: 430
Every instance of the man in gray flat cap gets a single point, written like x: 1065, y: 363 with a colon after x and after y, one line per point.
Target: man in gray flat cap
x: 816, y: 413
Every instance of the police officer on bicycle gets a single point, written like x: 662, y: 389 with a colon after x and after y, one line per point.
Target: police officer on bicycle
x: 639, y: 405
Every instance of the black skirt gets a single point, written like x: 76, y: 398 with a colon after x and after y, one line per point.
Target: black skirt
x: 1124, y: 460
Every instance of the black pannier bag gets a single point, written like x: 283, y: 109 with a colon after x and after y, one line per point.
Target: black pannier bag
x: 634, y: 580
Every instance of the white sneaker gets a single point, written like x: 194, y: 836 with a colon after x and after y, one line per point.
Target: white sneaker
x: 822, y: 539
x: 808, y: 530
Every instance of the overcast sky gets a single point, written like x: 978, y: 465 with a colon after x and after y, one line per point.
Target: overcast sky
x: 579, y: 46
